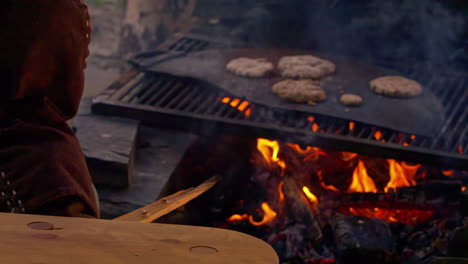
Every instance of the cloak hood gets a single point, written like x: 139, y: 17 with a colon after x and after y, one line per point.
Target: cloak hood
x: 43, y: 51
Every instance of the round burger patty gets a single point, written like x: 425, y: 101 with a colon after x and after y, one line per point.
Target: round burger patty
x: 305, y: 67
x: 300, y: 91
x: 248, y: 67
x: 396, y: 86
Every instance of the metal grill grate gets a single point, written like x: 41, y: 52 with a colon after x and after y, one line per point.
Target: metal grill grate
x: 187, y: 44
x: 183, y: 103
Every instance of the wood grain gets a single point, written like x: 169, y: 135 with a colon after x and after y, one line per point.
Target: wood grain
x: 83, y: 241
x: 167, y: 204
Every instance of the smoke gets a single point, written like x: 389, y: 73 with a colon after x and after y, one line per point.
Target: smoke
x: 405, y: 29
x: 401, y: 30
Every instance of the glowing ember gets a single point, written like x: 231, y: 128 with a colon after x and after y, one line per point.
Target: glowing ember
x: 280, y: 192
x: 314, y: 156
x: 239, y: 104
x: 405, y: 144
x: 348, y: 156
x: 413, y: 137
x: 310, y: 195
x: 351, y: 126
x: 378, y: 135
x: 315, y: 127
x: 401, y: 175
x: 448, y: 173
x: 270, y: 150
x: 268, y: 217
x: 406, y: 216
x: 463, y: 188
x: 361, y: 180
x: 311, y: 119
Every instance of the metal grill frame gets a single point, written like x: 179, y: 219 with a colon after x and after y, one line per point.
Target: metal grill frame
x: 182, y: 103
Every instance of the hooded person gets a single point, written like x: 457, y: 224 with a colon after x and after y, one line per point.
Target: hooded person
x: 43, y: 51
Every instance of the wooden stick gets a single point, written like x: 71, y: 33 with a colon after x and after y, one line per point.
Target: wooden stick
x: 167, y: 204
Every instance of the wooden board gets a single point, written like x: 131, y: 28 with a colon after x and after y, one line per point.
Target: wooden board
x: 108, y: 145
x: 89, y: 241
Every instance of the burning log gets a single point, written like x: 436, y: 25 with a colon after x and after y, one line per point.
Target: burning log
x: 299, y: 209
x: 362, y: 240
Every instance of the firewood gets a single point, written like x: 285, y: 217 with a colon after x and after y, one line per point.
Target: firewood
x: 299, y: 208
x: 360, y: 238
x: 167, y: 204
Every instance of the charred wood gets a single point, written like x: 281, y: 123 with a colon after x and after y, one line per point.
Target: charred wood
x: 362, y: 240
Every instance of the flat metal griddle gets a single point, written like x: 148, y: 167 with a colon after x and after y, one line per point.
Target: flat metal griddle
x: 422, y: 115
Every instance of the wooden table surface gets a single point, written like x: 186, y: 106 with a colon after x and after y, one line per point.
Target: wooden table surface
x: 31, y: 239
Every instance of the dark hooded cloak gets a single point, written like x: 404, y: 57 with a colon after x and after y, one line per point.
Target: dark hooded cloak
x: 43, y: 51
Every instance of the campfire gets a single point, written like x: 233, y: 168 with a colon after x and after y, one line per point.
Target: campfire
x: 317, y: 206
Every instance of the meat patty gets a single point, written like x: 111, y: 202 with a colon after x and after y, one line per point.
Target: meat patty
x: 248, y: 67
x: 351, y: 99
x: 305, y: 67
x: 396, y: 86
x: 300, y: 91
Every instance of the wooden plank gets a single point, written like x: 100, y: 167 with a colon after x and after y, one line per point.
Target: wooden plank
x: 168, y: 204
x: 108, y: 145
x: 79, y: 241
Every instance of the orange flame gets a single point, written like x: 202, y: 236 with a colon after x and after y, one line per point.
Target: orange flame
x: 313, y: 153
x: 244, y: 106
x: 463, y: 188
x: 401, y: 174
x: 315, y: 127
x: 348, y: 156
x: 270, y: 150
x: 268, y: 217
x: 238, y: 217
x: 413, y: 137
x: 361, y: 180
x: 311, y: 119
x: 352, y: 125
x: 300, y: 150
x: 448, y: 173
x: 378, y: 135
x: 322, y: 183
x: 280, y: 192
x: 310, y: 195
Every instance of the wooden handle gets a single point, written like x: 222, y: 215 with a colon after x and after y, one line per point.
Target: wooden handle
x: 168, y: 204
